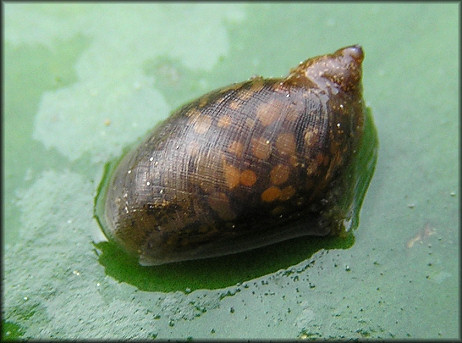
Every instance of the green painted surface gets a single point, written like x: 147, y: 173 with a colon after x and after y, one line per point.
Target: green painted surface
x: 84, y: 81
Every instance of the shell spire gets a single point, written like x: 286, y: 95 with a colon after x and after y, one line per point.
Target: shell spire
x: 340, y: 70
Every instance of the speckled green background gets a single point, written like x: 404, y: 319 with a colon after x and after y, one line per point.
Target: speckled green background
x: 83, y: 81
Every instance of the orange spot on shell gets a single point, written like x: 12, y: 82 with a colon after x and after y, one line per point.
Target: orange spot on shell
x: 248, y: 178
x: 193, y: 148
x: 232, y: 175
x: 224, y: 121
x: 246, y: 95
x: 261, y: 148
x: 193, y: 113
x: 234, y: 105
x: 236, y: 148
x: 210, y: 166
x: 279, y: 174
x: 202, y: 124
x: 271, y: 194
x: 285, y: 143
x: 287, y: 193
x: 249, y: 122
x: 269, y: 112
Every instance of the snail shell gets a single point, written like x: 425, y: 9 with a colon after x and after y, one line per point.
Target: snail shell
x: 244, y: 166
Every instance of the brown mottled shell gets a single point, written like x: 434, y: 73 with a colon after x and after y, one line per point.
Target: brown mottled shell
x: 243, y: 166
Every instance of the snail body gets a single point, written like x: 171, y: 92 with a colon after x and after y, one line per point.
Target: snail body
x: 244, y: 166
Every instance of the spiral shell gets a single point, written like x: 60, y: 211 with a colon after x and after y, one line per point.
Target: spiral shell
x: 244, y: 166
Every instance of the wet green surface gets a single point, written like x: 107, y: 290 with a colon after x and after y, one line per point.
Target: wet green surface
x: 84, y: 81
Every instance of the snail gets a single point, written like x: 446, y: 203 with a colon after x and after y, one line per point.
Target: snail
x: 244, y: 166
